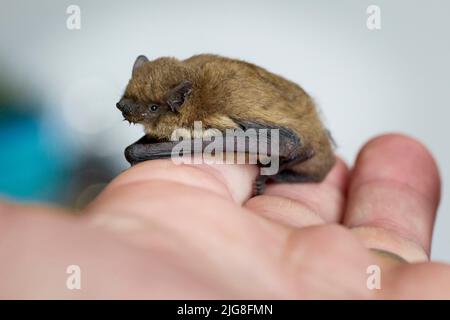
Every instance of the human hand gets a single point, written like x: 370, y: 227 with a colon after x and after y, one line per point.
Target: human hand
x: 160, y: 230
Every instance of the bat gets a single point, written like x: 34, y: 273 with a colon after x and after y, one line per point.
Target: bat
x: 166, y: 94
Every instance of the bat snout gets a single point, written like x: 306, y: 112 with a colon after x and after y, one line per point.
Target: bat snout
x: 125, y: 105
x: 129, y: 110
x: 119, y: 106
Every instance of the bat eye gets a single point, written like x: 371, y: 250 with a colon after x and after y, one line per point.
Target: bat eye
x: 154, y: 107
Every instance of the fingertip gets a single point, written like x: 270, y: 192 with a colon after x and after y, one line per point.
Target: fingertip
x: 234, y: 181
x: 400, y: 158
x: 395, y: 187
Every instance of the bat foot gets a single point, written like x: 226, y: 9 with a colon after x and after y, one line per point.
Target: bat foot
x: 259, y: 185
x: 290, y: 176
x: 285, y: 176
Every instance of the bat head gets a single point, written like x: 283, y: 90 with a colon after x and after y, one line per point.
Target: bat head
x: 157, y: 94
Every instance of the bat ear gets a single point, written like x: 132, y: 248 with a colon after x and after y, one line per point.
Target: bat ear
x: 138, y: 63
x: 178, y: 95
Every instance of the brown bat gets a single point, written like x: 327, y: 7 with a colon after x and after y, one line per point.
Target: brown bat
x: 222, y: 93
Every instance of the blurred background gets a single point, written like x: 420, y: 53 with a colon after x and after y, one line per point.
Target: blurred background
x: 62, y: 139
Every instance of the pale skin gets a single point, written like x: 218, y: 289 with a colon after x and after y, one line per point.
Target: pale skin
x: 165, y: 231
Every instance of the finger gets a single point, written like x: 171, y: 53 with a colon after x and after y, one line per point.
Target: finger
x: 161, y: 189
x: 304, y: 204
x: 192, y: 213
x: 231, y: 181
x: 393, y: 196
x: 158, y: 197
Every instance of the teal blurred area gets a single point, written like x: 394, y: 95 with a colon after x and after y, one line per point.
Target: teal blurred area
x: 41, y: 159
x: 34, y: 160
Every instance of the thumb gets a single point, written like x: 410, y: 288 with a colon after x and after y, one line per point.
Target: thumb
x: 149, y: 180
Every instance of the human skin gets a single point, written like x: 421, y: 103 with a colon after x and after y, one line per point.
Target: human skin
x: 161, y: 230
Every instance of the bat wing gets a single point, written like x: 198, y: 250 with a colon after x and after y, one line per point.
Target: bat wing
x: 289, y: 149
x: 289, y: 146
